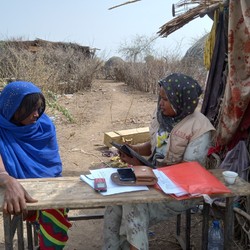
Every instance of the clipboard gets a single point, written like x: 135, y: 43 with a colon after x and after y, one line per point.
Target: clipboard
x: 130, y: 152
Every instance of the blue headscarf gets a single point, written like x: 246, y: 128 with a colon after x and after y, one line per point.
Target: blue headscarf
x: 29, y: 151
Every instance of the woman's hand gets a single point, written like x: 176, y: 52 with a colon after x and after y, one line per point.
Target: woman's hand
x: 143, y: 149
x: 128, y: 159
x: 15, y: 197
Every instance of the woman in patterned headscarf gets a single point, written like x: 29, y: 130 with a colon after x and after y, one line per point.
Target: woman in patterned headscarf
x: 178, y: 132
x: 29, y: 149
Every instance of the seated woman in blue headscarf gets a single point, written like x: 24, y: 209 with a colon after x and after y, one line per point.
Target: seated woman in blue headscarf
x: 29, y: 149
x: 178, y: 132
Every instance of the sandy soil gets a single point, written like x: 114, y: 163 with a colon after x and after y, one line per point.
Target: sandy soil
x: 108, y: 106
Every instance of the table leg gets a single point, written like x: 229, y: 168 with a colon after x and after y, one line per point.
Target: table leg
x: 10, y: 227
x: 229, y: 224
x: 178, y: 225
x: 8, y: 239
x: 29, y: 235
x: 205, y: 225
x: 188, y: 228
x: 185, y: 244
x: 180, y: 240
x: 20, y: 231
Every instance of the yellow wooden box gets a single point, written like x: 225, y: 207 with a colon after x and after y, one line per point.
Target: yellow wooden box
x: 131, y: 136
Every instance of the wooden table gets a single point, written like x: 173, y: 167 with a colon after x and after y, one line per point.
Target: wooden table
x: 73, y: 193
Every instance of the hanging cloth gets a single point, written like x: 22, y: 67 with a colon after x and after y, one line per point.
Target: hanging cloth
x: 217, y: 76
x: 237, y: 92
x: 210, y: 42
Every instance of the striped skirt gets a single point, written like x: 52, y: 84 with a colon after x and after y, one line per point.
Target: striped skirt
x: 52, y: 228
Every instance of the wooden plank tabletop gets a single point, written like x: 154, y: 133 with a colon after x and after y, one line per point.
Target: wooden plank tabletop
x: 73, y: 193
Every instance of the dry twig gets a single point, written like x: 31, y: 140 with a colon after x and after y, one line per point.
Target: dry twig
x: 119, y: 5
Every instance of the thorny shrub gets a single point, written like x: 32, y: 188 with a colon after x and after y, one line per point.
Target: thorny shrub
x: 144, y: 76
x: 56, y: 69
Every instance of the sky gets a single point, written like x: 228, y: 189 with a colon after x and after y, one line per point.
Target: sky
x: 91, y: 23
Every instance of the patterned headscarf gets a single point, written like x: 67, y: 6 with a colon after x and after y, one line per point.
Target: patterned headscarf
x: 29, y: 151
x: 183, y: 93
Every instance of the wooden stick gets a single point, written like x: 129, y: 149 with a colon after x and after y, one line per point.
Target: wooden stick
x: 128, y: 2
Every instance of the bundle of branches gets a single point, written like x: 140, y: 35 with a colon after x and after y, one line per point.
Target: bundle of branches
x: 202, y: 9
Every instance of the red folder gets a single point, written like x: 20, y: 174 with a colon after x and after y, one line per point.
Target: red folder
x: 194, y: 179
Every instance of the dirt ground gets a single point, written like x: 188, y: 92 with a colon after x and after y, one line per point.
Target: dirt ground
x: 108, y: 106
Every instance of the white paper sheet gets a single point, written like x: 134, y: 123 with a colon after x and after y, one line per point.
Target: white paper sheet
x: 168, y: 186
x: 112, y: 188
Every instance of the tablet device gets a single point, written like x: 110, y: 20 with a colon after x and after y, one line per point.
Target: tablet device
x: 130, y: 152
